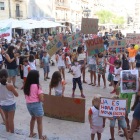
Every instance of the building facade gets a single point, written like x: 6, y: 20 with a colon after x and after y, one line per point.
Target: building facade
x: 137, y: 13
x: 16, y: 9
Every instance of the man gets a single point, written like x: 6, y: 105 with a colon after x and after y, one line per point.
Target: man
x: 105, y: 38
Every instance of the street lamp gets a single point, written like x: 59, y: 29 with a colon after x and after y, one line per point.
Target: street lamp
x: 86, y: 11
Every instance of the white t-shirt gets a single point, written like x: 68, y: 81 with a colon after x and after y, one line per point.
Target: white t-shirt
x: 76, y: 70
x: 68, y: 60
x: 92, y: 60
x: 1, y: 59
x: 60, y: 61
x: 60, y: 87
x: 6, y: 96
x: 26, y: 70
x: 81, y: 56
x: 96, y: 120
x: 117, y: 71
x: 32, y: 65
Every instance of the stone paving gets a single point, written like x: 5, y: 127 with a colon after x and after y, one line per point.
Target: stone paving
x: 59, y: 129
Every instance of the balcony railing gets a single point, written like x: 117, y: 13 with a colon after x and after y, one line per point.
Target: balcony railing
x: 58, y: 19
x: 18, y: 14
x: 62, y: 4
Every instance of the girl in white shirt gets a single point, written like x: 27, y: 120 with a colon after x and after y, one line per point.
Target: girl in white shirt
x: 68, y: 61
x: 58, y: 84
x: 8, y: 103
x: 32, y: 62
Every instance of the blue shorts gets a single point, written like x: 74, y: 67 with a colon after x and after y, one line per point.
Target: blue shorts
x: 57, y: 93
x: 110, y: 77
x: 9, y: 108
x: 121, y: 123
x: 61, y: 67
x: 136, y: 114
x: 92, y: 67
x: 46, y: 69
x: 35, y: 109
x: 1, y: 62
x: 106, y: 47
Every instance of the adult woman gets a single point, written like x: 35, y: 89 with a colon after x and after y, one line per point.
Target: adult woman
x: 132, y: 54
x: 10, y: 60
x: 23, y: 53
x: 81, y: 56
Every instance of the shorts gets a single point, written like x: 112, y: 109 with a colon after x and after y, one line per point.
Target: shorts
x: 136, y: 114
x: 1, y: 63
x: 110, y: 77
x: 81, y: 62
x: 131, y: 59
x: 138, y: 69
x: 58, y: 93
x: 92, y: 67
x: 12, y: 72
x: 105, y: 46
x: 9, y: 108
x: 115, y: 82
x: 121, y: 123
x: 46, y: 69
x: 61, y: 67
x: 35, y: 109
x: 96, y: 129
x: 24, y: 79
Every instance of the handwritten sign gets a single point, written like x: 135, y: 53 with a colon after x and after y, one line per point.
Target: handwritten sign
x: 118, y: 45
x: 75, y: 40
x: 89, y: 26
x: 112, y: 107
x: 64, y: 39
x: 66, y: 108
x: 94, y: 46
x: 133, y: 38
x: 55, y: 45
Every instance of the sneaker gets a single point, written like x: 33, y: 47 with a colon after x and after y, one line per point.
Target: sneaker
x: 73, y: 96
x: 69, y: 72
x: 83, y: 96
x: 45, y: 79
x: 114, y: 91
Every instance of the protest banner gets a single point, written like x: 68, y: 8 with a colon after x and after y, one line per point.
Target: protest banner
x: 65, y: 41
x: 133, y: 38
x: 54, y: 45
x: 66, y: 108
x: 75, y: 40
x: 94, y: 46
x: 118, y: 45
x: 6, y: 32
x: 129, y: 81
x: 89, y: 26
x: 112, y: 107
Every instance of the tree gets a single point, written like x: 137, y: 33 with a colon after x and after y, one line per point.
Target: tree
x: 118, y: 20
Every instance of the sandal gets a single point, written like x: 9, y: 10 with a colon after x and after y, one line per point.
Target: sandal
x: 93, y: 84
x: 85, y: 82
x: 3, y: 123
x: 33, y: 136
x: 90, y: 84
x: 130, y: 138
x: 44, y: 137
x: 120, y: 133
x: 98, y: 86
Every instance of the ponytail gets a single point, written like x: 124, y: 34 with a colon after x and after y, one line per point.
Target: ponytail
x: 3, y: 80
x: 3, y: 76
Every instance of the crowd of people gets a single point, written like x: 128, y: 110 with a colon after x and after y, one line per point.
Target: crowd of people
x: 18, y: 58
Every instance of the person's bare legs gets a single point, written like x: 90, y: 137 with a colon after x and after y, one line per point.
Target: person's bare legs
x: 9, y: 79
x: 63, y: 73
x: 99, y: 76
x: 84, y: 75
x: 11, y: 120
x: 133, y: 65
x: 14, y: 80
x: 103, y: 76
x: 92, y: 136
x: 47, y: 74
x: 133, y: 127
x: 127, y: 121
x: 99, y: 136
x: 130, y: 64
x: 81, y: 92
x: 2, y: 114
x: 39, y: 126
x: 44, y: 75
x: 91, y: 76
x: 125, y: 133
x: 112, y: 132
x: 6, y: 121
x: 94, y: 74
x: 32, y: 124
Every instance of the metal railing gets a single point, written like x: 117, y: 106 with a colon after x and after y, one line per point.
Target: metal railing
x: 18, y: 14
x: 62, y: 4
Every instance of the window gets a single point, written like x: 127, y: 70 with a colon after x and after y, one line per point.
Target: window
x: 2, y: 6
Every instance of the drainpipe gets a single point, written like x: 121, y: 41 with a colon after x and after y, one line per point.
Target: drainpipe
x: 9, y: 9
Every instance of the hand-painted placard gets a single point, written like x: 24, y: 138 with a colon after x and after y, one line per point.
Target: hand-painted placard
x: 64, y: 39
x: 118, y: 45
x: 129, y: 81
x: 75, y: 40
x: 133, y: 38
x: 89, y: 26
x: 54, y: 45
x: 112, y: 107
x: 94, y: 46
x: 66, y: 108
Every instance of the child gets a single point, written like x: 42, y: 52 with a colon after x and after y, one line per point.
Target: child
x: 92, y: 69
x: 73, y: 55
x: 101, y: 68
x: 68, y: 62
x: 34, y: 98
x: 32, y: 62
x: 25, y: 68
x: 46, y: 65
x: 76, y: 72
x: 125, y: 61
x: 96, y: 123
x: 138, y: 61
x: 58, y: 84
x: 121, y: 123
x: 8, y: 103
x: 111, y: 68
x: 41, y: 55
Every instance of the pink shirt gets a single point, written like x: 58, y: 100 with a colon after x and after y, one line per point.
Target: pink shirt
x: 34, y: 94
x: 111, y: 61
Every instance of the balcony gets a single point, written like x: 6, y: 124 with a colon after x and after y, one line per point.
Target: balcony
x: 62, y: 5
x: 67, y: 19
x: 19, y: 0
x: 18, y: 14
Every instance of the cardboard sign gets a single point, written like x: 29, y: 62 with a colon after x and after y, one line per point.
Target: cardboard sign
x: 64, y: 39
x: 66, y: 108
x: 118, y: 45
x: 129, y: 81
x: 55, y: 45
x: 112, y: 107
x: 94, y: 46
x: 133, y: 38
x: 89, y: 26
x: 6, y: 32
x: 75, y: 40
